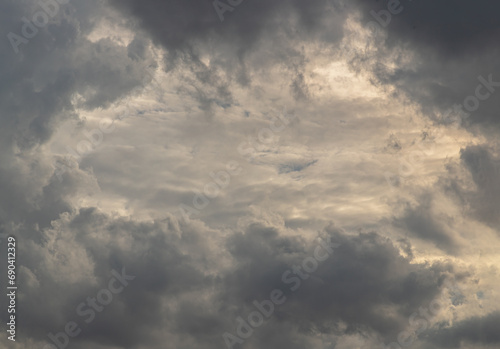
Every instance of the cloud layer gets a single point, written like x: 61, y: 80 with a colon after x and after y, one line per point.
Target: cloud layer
x: 286, y: 124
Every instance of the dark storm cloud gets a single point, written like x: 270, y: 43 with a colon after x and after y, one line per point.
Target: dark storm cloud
x: 482, y: 198
x: 450, y: 27
x: 181, y: 291
x: 33, y: 99
x: 192, y: 281
x: 452, y: 43
x: 37, y: 90
x: 38, y: 85
x: 166, y: 263
x: 39, y: 82
x: 472, y: 331
x: 190, y: 30
x: 179, y: 24
x: 365, y: 274
x: 422, y: 222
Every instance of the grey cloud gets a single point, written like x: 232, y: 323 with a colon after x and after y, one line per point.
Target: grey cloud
x: 193, y: 280
x: 449, y: 27
x: 447, y: 46
x: 182, y: 290
x: 88, y: 246
x: 36, y: 96
x: 422, y: 221
x: 295, y: 166
x: 472, y: 331
x: 365, y: 274
x: 480, y: 195
x: 191, y: 30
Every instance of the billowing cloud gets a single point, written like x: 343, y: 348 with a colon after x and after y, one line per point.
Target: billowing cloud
x: 171, y: 171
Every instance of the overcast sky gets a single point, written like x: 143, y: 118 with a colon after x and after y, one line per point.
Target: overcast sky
x: 251, y: 173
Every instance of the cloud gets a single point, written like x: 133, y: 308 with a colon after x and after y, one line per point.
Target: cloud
x: 441, y: 49
x: 220, y: 54
x: 471, y: 331
x: 477, y: 186
x: 422, y: 222
x: 362, y: 104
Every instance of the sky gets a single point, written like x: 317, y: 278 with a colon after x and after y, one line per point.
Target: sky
x: 249, y: 174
